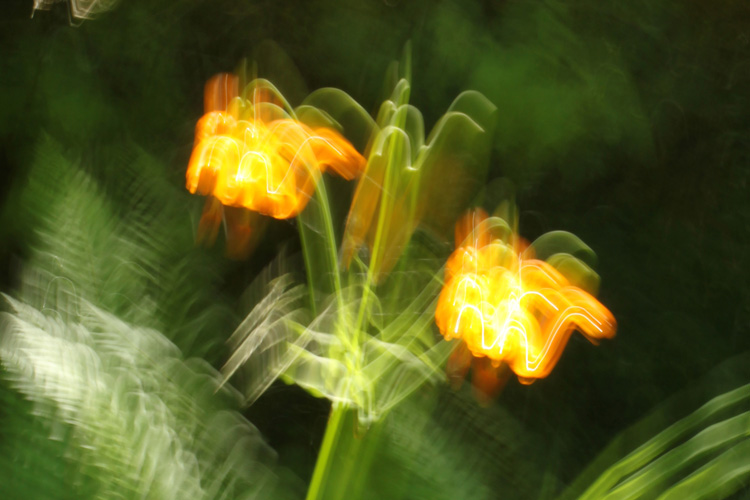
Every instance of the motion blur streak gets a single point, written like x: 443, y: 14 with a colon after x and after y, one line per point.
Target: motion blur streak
x: 510, y: 307
x: 85, y: 343
x: 413, y: 181
x: 371, y: 371
x: 78, y: 9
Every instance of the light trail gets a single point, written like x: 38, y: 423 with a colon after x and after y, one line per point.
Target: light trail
x: 512, y: 309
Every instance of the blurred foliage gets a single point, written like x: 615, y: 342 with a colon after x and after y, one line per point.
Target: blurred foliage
x: 118, y: 409
x: 704, y: 454
x: 625, y: 123
x: 125, y: 245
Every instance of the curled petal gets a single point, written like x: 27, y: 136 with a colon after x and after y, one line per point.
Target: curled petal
x: 212, y: 158
x: 213, y: 124
x: 334, y: 152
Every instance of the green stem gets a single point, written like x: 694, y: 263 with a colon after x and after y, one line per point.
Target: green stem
x: 365, y: 455
x: 319, y: 214
x: 330, y: 239
x: 342, y: 470
x: 384, y: 209
x: 308, y: 265
x: 322, y: 470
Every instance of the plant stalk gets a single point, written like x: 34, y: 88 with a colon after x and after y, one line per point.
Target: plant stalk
x: 321, y: 479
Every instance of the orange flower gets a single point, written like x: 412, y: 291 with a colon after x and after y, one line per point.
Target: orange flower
x: 252, y: 158
x: 252, y: 154
x: 509, y: 307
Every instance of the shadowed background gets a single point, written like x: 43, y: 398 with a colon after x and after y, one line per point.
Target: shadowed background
x: 625, y: 123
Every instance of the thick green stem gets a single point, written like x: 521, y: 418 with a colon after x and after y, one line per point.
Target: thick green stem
x: 320, y: 248
x: 345, y: 457
x: 320, y: 482
x: 308, y: 266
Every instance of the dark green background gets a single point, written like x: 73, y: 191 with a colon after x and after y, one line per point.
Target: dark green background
x: 626, y: 123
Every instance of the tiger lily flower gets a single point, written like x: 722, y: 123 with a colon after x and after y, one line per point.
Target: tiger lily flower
x: 511, y: 308
x: 254, y: 154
